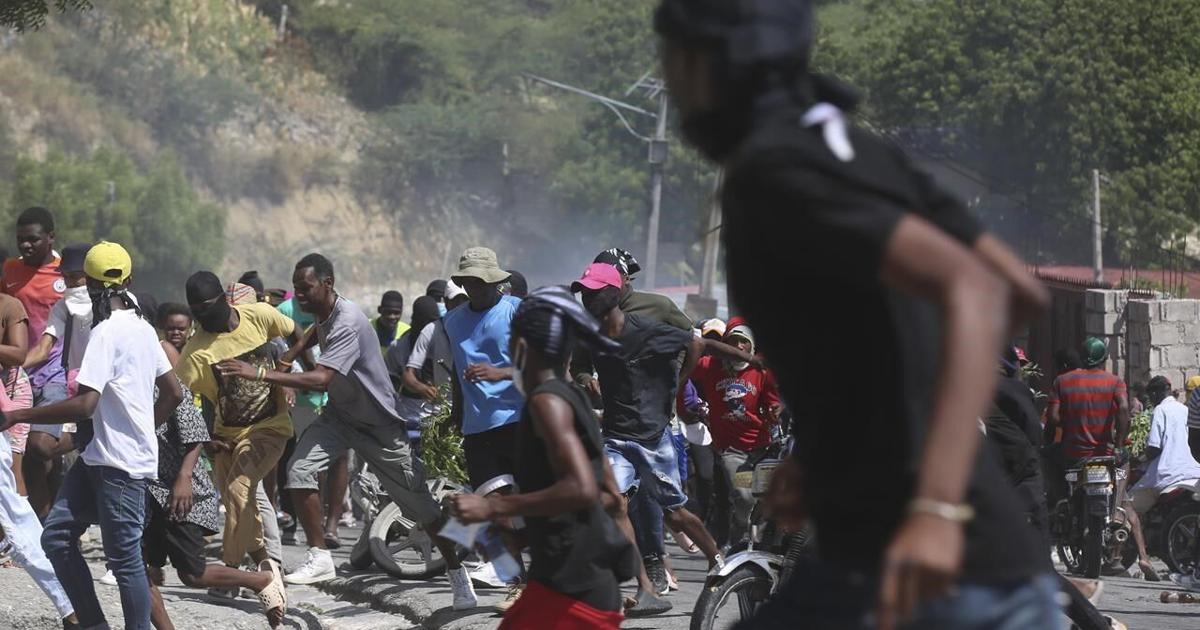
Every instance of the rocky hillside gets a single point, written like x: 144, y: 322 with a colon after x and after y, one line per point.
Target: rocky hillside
x: 270, y: 144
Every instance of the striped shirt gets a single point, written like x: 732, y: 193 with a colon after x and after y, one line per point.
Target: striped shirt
x: 1088, y: 401
x: 1193, y: 405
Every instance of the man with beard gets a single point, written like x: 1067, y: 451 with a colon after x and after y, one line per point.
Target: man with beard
x: 252, y: 422
x: 929, y: 533
x: 107, y: 484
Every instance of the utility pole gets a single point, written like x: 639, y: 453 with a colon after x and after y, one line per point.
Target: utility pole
x: 712, y: 241
x: 657, y: 144
x: 282, y: 30
x: 1097, y: 237
x: 658, y: 157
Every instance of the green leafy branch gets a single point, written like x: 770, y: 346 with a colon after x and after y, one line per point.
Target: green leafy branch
x: 441, y: 444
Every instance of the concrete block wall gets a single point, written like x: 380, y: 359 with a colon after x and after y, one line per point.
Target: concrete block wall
x: 1105, y: 317
x: 1162, y: 337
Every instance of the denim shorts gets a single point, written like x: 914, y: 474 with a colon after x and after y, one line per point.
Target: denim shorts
x: 49, y: 394
x: 657, y: 469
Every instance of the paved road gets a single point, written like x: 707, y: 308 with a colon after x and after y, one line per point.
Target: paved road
x: 401, y: 605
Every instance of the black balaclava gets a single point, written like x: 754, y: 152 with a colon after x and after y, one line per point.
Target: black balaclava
x: 202, y: 287
x: 424, y: 311
x: 759, y: 58
x: 602, y: 302
x: 518, y: 286
x: 436, y: 290
x: 550, y: 320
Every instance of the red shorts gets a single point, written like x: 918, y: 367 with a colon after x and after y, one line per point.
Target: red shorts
x: 541, y: 608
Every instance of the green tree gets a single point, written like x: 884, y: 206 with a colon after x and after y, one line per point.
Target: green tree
x: 31, y: 14
x: 1034, y: 94
x: 156, y: 215
x: 454, y: 119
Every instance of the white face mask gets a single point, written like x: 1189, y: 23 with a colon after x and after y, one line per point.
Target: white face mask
x: 77, y: 295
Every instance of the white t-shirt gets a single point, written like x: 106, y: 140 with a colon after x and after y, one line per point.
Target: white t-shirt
x: 1169, y: 432
x: 122, y: 361
x: 416, y: 358
x: 76, y: 307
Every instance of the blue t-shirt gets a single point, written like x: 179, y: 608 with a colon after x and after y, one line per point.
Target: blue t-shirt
x: 482, y: 337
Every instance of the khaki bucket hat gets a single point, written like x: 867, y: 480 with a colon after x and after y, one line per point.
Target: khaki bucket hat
x: 481, y: 263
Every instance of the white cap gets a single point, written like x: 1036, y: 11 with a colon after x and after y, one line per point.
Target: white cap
x: 697, y: 433
x: 453, y: 290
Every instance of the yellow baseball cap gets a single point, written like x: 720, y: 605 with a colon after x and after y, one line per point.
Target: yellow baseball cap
x: 108, y: 263
x: 1192, y: 383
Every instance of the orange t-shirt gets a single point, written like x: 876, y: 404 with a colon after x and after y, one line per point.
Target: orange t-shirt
x: 38, y: 288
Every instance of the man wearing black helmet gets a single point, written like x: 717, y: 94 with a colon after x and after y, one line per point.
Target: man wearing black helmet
x: 929, y: 524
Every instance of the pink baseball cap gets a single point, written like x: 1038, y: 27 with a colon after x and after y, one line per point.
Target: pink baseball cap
x: 596, y: 277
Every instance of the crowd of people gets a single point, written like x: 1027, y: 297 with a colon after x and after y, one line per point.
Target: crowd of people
x: 596, y: 420
x: 168, y: 424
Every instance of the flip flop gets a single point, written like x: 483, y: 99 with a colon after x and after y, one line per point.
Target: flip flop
x: 275, y: 595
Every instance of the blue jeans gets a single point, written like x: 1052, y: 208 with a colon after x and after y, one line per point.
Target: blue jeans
x: 652, y: 468
x: 108, y: 497
x: 821, y: 596
x: 647, y: 519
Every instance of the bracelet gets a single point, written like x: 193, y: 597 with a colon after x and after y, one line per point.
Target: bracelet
x: 958, y: 513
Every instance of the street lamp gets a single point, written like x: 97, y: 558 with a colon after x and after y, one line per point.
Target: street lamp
x: 657, y: 147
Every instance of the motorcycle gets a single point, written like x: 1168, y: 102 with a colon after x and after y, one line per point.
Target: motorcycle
x: 1082, y: 525
x: 734, y: 592
x: 1172, y: 526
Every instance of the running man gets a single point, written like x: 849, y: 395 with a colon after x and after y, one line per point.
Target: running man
x: 921, y: 534
x: 252, y: 421
x: 579, y: 556
x: 361, y: 414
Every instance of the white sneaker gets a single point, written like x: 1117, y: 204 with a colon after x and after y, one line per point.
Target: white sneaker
x: 317, y: 568
x: 485, y: 576
x: 108, y: 578
x: 348, y: 520
x: 464, y: 594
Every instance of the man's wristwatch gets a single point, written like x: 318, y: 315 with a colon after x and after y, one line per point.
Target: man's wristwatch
x: 956, y: 512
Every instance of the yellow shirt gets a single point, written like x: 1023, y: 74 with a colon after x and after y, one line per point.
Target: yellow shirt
x: 242, y: 405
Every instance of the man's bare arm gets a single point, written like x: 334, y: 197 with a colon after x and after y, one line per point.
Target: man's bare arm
x: 925, y: 555
x: 1123, y: 422
x: 170, y: 394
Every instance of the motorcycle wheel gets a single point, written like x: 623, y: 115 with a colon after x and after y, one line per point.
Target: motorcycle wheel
x: 402, y: 548
x: 1181, y: 534
x: 725, y: 601
x: 1093, y: 547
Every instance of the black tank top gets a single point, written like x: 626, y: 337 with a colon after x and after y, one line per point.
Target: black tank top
x: 581, y: 552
